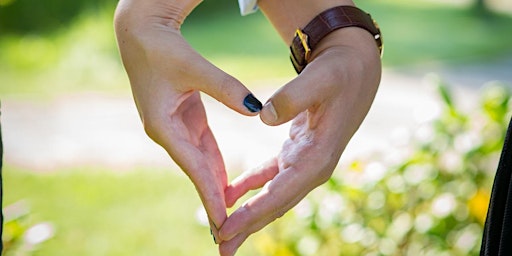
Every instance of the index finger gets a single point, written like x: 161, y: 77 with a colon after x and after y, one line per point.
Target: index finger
x: 273, y: 201
x: 205, y: 168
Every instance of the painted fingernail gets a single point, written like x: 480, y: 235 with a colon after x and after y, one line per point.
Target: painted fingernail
x: 252, y: 104
x: 214, y: 239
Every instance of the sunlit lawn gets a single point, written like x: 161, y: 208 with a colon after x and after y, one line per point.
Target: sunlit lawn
x: 99, y: 212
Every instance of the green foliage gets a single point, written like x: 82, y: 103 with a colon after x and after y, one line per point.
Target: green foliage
x: 431, y: 31
x: 212, y: 9
x: 37, y: 17
x: 428, y: 196
x: 28, y: 16
x: 80, y: 54
x: 82, y: 58
x: 19, y: 236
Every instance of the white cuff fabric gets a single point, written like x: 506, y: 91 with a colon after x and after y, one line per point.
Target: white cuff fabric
x: 248, y: 6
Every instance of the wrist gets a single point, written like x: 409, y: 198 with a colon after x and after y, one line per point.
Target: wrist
x: 288, y: 15
x: 354, y: 40
x: 140, y: 13
x: 313, y: 38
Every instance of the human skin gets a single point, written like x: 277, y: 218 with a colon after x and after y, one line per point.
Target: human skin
x: 326, y: 104
x: 166, y: 76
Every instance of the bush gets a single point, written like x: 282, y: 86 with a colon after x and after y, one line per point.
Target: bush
x: 426, y: 197
x: 28, y: 16
x: 20, y: 237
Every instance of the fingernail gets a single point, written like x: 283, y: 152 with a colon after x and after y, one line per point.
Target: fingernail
x: 214, y: 239
x: 270, y: 113
x: 252, y: 104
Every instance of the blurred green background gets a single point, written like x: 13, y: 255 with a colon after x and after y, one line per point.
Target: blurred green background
x: 53, y: 48
x: 72, y: 47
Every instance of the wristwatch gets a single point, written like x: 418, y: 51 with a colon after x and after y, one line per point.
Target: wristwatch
x: 306, y: 39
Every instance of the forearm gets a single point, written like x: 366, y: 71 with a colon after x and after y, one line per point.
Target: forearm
x: 288, y: 15
x: 348, y: 57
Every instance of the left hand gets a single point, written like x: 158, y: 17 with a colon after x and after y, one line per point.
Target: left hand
x: 327, y: 102
x: 166, y: 76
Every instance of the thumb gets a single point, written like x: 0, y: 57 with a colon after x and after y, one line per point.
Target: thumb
x: 226, y: 89
x: 295, y: 97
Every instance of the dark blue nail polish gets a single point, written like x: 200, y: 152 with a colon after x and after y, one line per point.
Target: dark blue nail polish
x: 252, y: 104
x: 214, y: 239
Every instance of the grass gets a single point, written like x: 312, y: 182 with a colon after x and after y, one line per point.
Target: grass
x: 100, y: 212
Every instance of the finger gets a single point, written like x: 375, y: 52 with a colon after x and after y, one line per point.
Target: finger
x: 229, y: 248
x: 213, y: 155
x: 250, y: 180
x: 214, y: 231
x: 275, y: 199
x: 191, y: 144
x: 225, y: 88
x: 208, y: 185
x: 205, y: 168
x: 173, y: 61
x: 311, y: 87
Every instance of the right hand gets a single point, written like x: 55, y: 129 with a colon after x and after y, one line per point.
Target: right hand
x: 166, y: 76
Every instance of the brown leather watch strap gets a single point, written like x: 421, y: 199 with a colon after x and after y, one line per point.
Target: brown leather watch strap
x: 306, y: 40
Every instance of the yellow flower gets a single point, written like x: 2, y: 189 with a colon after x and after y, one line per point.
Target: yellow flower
x: 478, y: 205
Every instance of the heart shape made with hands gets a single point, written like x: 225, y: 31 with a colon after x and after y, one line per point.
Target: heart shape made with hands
x: 167, y: 75
x: 322, y: 124
x: 283, y: 181
x: 306, y: 160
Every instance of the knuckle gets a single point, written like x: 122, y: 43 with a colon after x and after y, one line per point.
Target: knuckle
x: 227, y: 84
x: 285, y: 106
x: 151, y: 128
x: 325, y: 174
x: 280, y: 213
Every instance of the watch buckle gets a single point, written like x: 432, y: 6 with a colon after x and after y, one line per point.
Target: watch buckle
x: 304, y: 41
x: 378, y: 38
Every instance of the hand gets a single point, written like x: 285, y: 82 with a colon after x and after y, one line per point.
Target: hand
x: 166, y: 76
x: 327, y: 102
